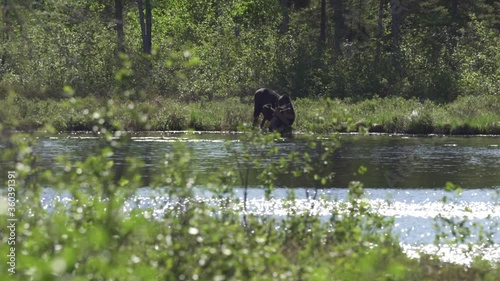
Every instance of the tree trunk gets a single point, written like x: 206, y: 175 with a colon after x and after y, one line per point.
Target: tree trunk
x: 6, y: 19
x: 142, y: 24
x: 149, y: 25
x: 454, y: 9
x: 322, y: 32
x: 5, y: 31
x: 338, y: 20
x: 119, y: 25
x: 453, y: 30
x: 286, y: 19
x: 396, y: 10
x: 338, y: 37
x: 146, y: 23
x: 397, y: 16
x: 380, y: 29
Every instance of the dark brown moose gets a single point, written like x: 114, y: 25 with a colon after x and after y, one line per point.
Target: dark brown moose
x: 275, y: 108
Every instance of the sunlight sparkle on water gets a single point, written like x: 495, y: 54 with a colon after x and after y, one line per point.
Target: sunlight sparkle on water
x: 407, y: 215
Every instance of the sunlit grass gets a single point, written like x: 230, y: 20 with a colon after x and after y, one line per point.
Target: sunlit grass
x: 464, y: 116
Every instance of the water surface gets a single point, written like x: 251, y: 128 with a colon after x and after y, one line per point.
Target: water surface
x: 404, y: 179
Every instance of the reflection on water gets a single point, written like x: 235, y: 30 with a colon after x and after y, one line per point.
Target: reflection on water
x: 392, y: 161
x: 414, y: 212
x: 403, y: 180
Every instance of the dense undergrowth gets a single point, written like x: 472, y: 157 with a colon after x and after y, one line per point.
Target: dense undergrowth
x: 225, y: 48
x: 468, y: 115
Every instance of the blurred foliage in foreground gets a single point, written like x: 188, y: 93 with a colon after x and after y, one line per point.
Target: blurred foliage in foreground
x: 97, y: 235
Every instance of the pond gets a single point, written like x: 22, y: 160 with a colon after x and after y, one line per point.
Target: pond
x: 404, y: 178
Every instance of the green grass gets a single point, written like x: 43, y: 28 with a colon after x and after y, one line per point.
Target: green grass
x: 466, y: 115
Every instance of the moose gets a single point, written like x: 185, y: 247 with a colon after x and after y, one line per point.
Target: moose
x: 276, y: 109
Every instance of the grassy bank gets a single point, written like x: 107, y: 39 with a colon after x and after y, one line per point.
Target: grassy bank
x: 97, y: 235
x: 467, y: 115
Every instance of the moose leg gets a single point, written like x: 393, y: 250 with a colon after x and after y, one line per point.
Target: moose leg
x: 284, y: 115
x: 268, y: 112
x: 263, y: 97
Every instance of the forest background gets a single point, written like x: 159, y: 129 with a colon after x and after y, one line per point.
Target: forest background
x: 185, y: 51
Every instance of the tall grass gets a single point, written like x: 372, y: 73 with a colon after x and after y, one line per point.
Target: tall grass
x: 464, y: 116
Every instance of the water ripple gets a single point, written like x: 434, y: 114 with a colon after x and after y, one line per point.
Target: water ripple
x: 413, y: 221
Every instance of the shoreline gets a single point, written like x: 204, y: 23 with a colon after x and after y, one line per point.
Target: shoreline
x: 466, y: 116
x: 180, y: 132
